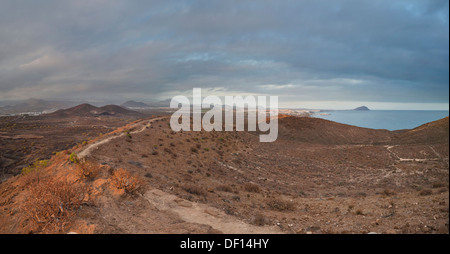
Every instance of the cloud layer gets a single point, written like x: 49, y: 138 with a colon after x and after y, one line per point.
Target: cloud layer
x: 303, y: 51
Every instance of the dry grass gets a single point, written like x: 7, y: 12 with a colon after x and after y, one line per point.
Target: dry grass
x: 87, y: 170
x: 224, y: 188
x: 425, y: 192
x: 52, y: 204
x: 252, y: 187
x: 123, y: 179
x: 36, y: 166
x: 388, y: 192
x: 259, y: 220
x: 281, y: 205
x: 359, y: 212
x: 196, y: 190
x: 439, y: 185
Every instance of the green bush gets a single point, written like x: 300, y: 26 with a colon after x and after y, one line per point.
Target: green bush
x: 38, y: 164
x: 74, y: 158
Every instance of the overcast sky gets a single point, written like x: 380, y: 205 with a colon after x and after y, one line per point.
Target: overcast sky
x: 386, y: 54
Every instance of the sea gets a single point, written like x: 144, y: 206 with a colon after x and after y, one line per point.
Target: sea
x: 384, y: 119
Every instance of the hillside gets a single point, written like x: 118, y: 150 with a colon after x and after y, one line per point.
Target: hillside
x: 321, y: 131
x: 318, y: 177
x: 23, y: 139
x: 433, y: 132
x: 87, y: 110
x: 134, y: 104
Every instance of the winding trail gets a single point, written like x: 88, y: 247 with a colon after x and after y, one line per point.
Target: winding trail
x: 412, y: 159
x: 186, y: 210
x: 88, y: 150
x: 203, y: 214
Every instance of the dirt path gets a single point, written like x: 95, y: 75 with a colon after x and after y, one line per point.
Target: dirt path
x: 87, y: 151
x: 411, y: 159
x: 203, y: 214
x: 190, y: 212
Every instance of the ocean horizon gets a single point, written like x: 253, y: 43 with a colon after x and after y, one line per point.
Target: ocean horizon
x: 384, y: 119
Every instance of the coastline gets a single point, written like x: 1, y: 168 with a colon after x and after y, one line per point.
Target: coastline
x: 384, y: 119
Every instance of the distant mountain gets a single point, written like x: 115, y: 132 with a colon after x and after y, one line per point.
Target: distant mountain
x: 134, y: 104
x: 362, y: 108
x: 87, y: 110
x: 155, y: 104
x: 34, y: 105
x: 160, y: 104
x: 116, y: 110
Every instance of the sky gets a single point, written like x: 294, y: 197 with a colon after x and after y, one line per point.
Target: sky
x: 385, y: 54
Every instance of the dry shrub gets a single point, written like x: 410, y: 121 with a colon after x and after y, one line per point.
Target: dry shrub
x: 123, y: 179
x: 388, y: 192
x: 87, y: 170
x: 439, y: 185
x: 259, y: 220
x: 225, y: 188
x: 251, y: 187
x: 281, y: 205
x: 32, y: 177
x: 425, y: 192
x: 52, y: 204
x: 196, y: 190
x: 36, y: 166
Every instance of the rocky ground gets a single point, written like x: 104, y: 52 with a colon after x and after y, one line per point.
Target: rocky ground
x: 318, y: 177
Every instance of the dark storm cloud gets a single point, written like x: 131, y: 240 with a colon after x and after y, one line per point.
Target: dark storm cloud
x: 385, y: 51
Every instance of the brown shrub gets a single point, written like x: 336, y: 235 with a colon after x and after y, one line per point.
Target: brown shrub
x: 259, y: 220
x: 280, y: 205
x: 87, y: 170
x: 196, y: 190
x: 123, y: 179
x: 225, y: 188
x: 52, y: 204
x: 425, y: 192
x: 438, y: 185
x: 252, y: 187
x: 388, y: 192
